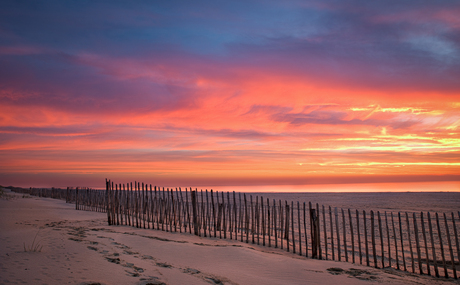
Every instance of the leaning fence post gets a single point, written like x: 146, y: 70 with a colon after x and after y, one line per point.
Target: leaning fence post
x: 442, y: 247
x: 433, y: 251
x: 450, y: 247
x: 426, y: 244
x: 410, y: 243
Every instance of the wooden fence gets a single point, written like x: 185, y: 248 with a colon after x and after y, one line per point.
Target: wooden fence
x: 418, y: 242
x: 84, y: 198
x: 423, y: 243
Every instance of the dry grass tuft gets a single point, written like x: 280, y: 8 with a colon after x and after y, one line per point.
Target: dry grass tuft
x: 4, y: 195
x: 34, y: 247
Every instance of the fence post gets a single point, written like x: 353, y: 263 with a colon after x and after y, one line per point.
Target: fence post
x: 388, y: 239
x: 359, y: 237
x: 374, y: 252
x: 442, y: 247
x: 352, y: 237
x: 410, y: 243
x: 366, y: 238
x: 76, y: 199
x: 344, y: 228
x: 314, y: 230
x: 318, y: 232
x: 107, y: 183
x: 195, y: 218
x: 426, y: 245
x: 286, y: 232
x: 456, y: 236
x: 382, y: 249
x: 417, y: 244
x: 450, y: 247
x: 332, y: 232
x: 339, y: 255
x: 292, y: 227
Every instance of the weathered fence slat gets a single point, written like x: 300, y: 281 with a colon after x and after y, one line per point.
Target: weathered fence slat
x: 359, y: 237
x: 410, y: 243
x: 450, y: 247
x: 305, y: 229
x: 318, y: 233
x: 442, y: 247
x: 365, y: 239
x: 325, y: 233
x: 381, y: 239
x: 402, y: 241
x: 422, y: 222
x: 332, y: 233
x: 298, y: 224
x: 388, y: 239
x: 456, y: 237
x: 344, y: 236
x: 395, y: 241
x: 338, y: 233
x: 417, y: 243
x: 352, y: 236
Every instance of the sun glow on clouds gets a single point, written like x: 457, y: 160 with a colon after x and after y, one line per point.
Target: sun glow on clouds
x: 288, y: 108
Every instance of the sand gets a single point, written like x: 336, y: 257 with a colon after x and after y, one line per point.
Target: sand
x: 78, y: 247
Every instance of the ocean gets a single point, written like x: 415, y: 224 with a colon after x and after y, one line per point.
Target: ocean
x: 393, y: 197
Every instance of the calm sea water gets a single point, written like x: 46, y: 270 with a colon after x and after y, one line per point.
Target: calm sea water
x: 394, y: 197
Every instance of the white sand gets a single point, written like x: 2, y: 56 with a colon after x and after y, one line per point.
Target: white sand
x: 79, y: 248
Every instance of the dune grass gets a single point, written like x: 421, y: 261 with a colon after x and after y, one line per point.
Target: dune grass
x: 34, y: 247
x: 4, y: 195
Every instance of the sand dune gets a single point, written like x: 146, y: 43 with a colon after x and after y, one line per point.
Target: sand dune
x: 78, y: 247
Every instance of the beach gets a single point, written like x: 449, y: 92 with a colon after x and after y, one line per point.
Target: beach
x: 78, y: 247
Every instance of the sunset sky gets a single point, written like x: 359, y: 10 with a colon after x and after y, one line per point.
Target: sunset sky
x: 229, y: 92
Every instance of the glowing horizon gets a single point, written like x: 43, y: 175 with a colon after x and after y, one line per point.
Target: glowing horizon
x: 229, y: 94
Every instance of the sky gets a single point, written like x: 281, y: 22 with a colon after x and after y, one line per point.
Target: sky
x: 229, y: 92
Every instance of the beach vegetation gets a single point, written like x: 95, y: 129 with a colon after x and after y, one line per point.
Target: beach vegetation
x: 4, y: 195
x: 35, y: 246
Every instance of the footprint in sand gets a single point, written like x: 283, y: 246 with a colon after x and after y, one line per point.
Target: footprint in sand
x: 353, y: 272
